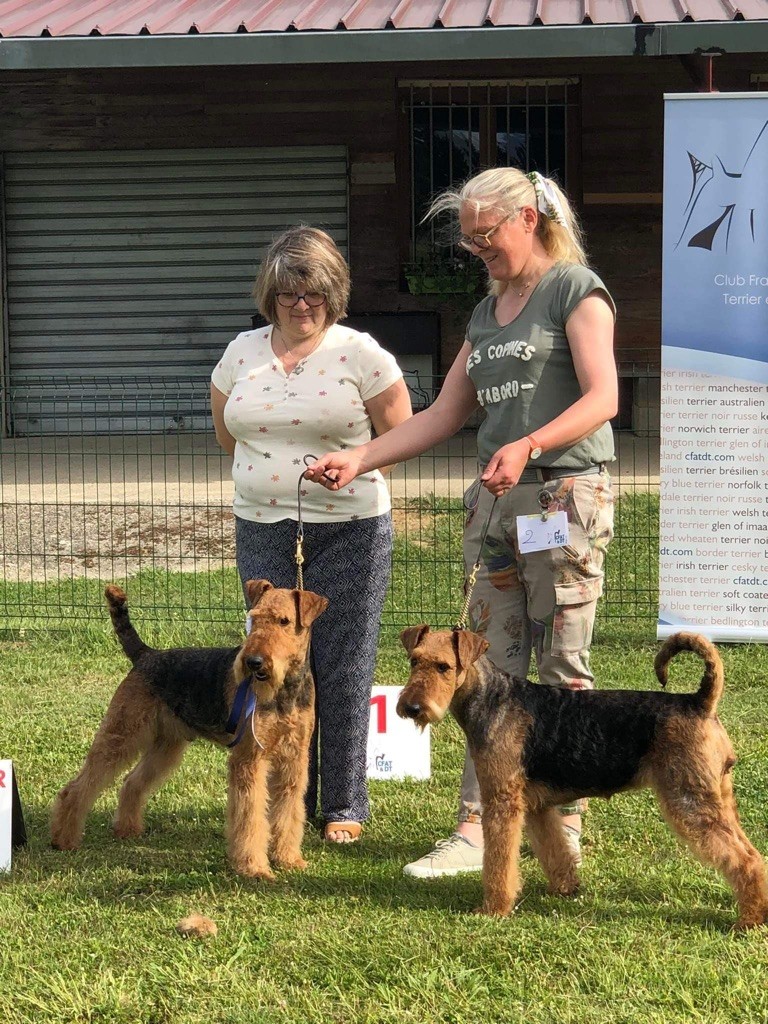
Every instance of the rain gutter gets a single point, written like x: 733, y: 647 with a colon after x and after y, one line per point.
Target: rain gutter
x: 392, y: 45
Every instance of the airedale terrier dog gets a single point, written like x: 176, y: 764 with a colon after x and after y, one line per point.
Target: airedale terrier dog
x: 172, y: 697
x: 535, y: 747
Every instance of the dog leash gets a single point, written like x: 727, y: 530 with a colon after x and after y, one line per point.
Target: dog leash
x: 469, y: 585
x: 244, y: 695
x: 300, y: 526
x: 300, y: 530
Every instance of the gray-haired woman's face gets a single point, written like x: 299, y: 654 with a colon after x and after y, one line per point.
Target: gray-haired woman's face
x: 300, y: 314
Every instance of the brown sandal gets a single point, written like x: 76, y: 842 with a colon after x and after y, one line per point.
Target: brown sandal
x: 353, y: 828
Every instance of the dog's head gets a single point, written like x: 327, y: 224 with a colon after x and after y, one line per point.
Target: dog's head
x: 439, y: 665
x: 279, y: 629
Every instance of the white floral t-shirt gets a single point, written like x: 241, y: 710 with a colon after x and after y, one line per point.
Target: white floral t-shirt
x: 277, y: 418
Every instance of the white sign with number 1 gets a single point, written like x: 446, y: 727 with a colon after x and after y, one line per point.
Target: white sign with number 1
x: 6, y: 813
x: 396, y: 748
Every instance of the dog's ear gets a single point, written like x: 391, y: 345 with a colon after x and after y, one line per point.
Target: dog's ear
x: 468, y: 646
x: 309, y: 606
x: 255, y: 590
x: 412, y: 636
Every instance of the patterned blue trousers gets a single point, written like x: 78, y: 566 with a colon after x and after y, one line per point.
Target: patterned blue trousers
x: 350, y: 564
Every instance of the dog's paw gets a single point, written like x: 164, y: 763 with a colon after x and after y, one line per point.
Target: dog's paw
x: 291, y: 863
x: 492, y: 911
x: 745, y: 922
x: 568, y: 888
x: 127, y: 829
x: 253, y: 869
x: 59, y: 841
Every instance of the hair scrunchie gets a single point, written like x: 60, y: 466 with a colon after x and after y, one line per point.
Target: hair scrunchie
x: 547, y: 200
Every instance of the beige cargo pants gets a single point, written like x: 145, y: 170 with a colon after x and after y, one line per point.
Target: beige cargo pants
x: 543, y: 602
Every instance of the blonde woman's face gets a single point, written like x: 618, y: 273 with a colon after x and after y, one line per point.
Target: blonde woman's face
x: 508, y: 245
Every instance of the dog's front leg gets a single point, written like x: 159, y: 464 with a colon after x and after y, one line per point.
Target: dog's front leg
x: 287, y: 786
x: 503, y: 816
x: 248, y: 826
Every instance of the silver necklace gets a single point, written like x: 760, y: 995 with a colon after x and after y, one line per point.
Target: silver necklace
x: 299, y: 367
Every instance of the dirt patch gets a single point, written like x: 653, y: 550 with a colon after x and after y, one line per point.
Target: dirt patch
x: 50, y: 542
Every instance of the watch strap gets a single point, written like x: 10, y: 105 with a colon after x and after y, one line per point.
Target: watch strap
x: 534, y: 446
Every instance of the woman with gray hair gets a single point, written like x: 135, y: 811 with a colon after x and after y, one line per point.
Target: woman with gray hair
x: 305, y: 384
x: 538, y: 357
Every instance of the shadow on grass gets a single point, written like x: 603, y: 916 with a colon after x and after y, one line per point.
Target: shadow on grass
x: 186, y: 857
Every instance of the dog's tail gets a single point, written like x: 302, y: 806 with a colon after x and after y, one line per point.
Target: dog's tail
x: 131, y: 642
x: 711, y: 689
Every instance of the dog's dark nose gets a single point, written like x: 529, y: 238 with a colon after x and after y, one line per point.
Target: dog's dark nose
x: 411, y: 710
x: 255, y: 662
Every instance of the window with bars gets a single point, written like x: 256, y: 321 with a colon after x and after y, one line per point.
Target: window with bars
x: 457, y: 128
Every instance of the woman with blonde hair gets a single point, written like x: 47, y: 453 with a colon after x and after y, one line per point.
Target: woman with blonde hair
x: 300, y: 385
x: 538, y: 358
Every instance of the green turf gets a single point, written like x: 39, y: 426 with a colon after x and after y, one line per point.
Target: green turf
x: 89, y: 936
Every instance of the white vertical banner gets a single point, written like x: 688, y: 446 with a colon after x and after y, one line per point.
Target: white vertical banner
x: 396, y: 748
x: 6, y: 814
x: 713, y: 530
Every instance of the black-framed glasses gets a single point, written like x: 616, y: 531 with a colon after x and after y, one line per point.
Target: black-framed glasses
x: 289, y: 299
x: 480, y: 241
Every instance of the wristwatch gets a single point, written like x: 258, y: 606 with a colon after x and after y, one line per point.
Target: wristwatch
x: 535, y: 447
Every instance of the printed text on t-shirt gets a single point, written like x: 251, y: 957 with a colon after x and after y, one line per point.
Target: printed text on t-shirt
x: 517, y: 349
x: 511, y: 389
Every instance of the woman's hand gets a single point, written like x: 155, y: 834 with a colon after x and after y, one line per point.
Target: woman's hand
x: 335, y: 469
x: 504, y: 469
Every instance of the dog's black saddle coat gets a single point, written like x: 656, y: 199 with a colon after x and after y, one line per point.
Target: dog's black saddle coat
x: 192, y: 682
x: 589, y: 742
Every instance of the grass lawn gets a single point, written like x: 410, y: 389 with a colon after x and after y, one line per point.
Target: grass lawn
x: 89, y: 936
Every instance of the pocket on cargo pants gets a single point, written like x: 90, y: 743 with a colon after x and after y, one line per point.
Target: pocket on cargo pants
x: 574, y: 615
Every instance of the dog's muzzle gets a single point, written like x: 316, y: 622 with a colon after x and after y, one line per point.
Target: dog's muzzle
x: 257, y: 666
x: 409, y: 710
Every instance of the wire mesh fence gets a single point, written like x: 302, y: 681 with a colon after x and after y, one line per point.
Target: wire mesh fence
x: 105, y: 479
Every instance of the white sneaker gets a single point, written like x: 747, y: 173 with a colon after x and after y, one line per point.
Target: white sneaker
x: 573, y: 838
x: 452, y: 856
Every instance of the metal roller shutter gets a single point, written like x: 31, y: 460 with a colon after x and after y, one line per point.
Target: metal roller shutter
x: 135, y: 267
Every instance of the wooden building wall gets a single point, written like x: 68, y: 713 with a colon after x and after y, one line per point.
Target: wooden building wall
x: 356, y: 105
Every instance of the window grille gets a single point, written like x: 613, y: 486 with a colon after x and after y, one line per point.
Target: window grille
x: 457, y: 128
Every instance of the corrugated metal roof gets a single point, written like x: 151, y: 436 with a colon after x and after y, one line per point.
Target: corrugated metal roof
x: 22, y: 18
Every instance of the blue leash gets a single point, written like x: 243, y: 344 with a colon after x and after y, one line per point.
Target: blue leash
x: 243, y: 696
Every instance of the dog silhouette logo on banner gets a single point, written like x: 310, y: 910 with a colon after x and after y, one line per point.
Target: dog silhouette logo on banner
x: 727, y: 207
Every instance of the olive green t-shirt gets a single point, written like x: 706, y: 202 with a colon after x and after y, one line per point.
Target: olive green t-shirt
x: 524, y: 374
